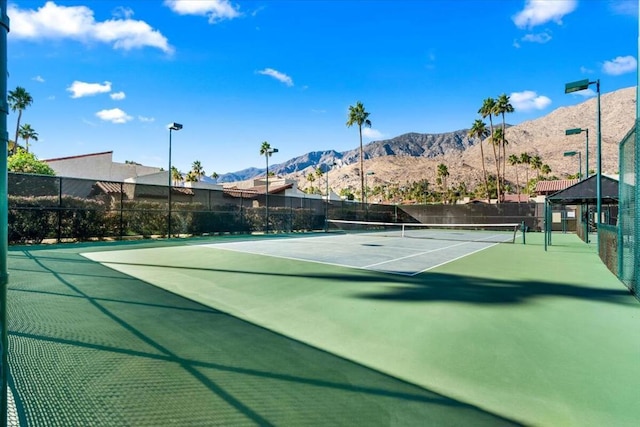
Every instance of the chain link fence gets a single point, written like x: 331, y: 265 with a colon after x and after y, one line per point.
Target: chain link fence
x: 628, y: 232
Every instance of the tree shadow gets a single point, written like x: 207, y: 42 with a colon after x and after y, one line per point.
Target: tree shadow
x: 82, y: 354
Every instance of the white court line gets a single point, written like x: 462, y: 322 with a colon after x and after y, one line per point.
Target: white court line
x: 455, y: 259
x: 415, y: 255
x: 366, y: 267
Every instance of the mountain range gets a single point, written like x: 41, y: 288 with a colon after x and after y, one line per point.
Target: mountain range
x: 414, y: 156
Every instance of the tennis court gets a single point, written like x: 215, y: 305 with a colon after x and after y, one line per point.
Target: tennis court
x: 389, y: 253
x: 293, y: 330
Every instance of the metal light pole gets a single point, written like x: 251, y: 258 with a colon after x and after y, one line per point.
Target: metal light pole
x: 366, y: 187
x: 172, y: 126
x: 267, y: 154
x: 575, y: 87
x: 573, y: 153
x: 4, y: 215
x: 576, y: 131
x: 326, y: 204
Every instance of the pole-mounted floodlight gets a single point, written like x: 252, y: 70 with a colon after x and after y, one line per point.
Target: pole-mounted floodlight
x: 172, y: 127
x: 326, y: 204
x: 576, y: 87
x: 579, y: 154
x: 267, y: 154
x: 366, y: 186
x: 577, y: 131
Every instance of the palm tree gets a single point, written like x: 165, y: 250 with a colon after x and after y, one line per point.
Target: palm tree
x: 545, y: 169
x: 176, y: 175
x: 197, y: 170
x: 214, y: 175
x: 525, y: 159
x: 536, y: 164
x: 265, y: 150
x: 501, y: 141
x: 515, y: 161
x: 311, y: 178
x: 192, y: 176
x: 479, y: 130
x: 488, y: 110
x: 358, y: 115
x: 19, y: 99
x: 503, y: 106
x: 443, y: 173
x: 26, y: 132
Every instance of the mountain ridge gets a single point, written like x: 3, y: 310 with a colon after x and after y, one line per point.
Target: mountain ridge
x: 413, y: 156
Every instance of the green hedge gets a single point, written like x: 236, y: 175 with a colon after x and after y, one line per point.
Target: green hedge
x: 33, y: 219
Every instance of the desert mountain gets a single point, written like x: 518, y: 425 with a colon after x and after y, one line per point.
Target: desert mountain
x: 415, y: 156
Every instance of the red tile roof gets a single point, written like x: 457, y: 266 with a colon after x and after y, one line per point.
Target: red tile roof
x: 547, y: 187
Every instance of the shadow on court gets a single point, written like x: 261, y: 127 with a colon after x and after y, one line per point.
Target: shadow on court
x: 91, y: 346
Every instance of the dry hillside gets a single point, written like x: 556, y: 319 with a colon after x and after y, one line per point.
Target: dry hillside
x: 544, y: 137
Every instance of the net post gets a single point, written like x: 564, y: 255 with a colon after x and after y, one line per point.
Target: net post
x: 523, y: 227
x: 403, y: 227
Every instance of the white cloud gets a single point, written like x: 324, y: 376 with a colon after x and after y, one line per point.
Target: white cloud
x: 277, y: 75
x: 541, y: 38
x: 529, y: 100
x: 115, y: 115
x: 38, y: 79
x: 118, y: 96
x: 78, y: 23
x: 585, y: 70
x: 624, y: 7
x: 215, y: 10
x: 516, y: 44
x: 620, y: 65
x: 146, y: 119
x: 371, y: 133
x: 123, y: 12
x: 538, y: 12
x: 80, y: 89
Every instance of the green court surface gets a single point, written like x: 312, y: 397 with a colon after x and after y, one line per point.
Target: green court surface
x: 212, y: 332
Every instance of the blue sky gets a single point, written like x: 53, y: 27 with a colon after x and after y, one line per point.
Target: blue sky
x: 110, y: 75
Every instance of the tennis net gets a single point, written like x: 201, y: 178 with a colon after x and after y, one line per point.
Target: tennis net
x: 494, y: 233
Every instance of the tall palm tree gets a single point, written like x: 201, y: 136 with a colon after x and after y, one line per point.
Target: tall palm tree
x: 479, y: 130
x: 19, y: 99
x: 488, y: 109
x: 443, y: 173
x: 515, y: 161
x: 525, y: 159
x: 214, y: 175
x: 196, y: 168
x: 192, y: 176
x: 176, y: 175
x: 358, y: 116
x: 26, y: 132
x: 503, y: 106
x: 311, y: 178
x: 536, y: 164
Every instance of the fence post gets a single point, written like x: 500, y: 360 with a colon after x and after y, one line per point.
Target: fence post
x: 121, y: 210
x: 58, y: 237
x: 4, y: 217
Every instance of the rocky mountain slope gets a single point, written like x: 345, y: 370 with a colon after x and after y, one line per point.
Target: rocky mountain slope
x: 412, y: 156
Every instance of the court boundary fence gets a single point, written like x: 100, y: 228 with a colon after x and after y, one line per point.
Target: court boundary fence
x: 60, y: 209
x: 627, y: 233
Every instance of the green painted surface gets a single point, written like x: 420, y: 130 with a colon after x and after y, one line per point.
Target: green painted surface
x: 509, y: 334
